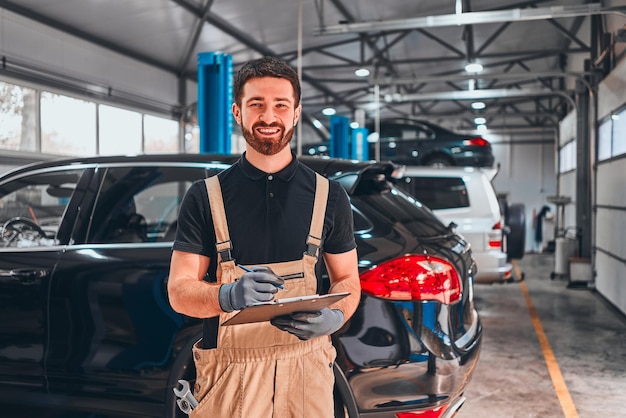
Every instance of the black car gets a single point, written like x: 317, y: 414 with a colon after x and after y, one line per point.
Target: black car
x: 417, y: 142
x: 85, y: 322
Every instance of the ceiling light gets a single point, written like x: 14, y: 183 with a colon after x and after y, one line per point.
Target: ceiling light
x: 329, y: 111
x: 317, y: 123
x: 614, y: 116
x: 481, y: 128
x: 473, y: 67
x: 354, y: 125
x: 478, y: 105
x: 362, y: 72
x: 480, y: 121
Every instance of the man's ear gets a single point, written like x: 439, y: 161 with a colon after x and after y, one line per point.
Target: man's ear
x: 296, y: 115
x: 236, y: 113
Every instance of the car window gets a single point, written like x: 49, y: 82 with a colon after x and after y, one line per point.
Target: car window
x: 437, y: 192
x: 405, y: 132
x: 140, y: 204
x: 32, y: 208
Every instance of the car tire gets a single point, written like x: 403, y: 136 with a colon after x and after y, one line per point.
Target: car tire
x: 516, y: 238
x: 438, y: 161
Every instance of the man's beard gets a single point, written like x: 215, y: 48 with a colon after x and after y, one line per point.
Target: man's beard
x: 267, y: 146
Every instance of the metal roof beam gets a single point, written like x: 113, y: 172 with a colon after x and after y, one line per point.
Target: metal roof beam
x: 471, y: 18
x: 475, y: 95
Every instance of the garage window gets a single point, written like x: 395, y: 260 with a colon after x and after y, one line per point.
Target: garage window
x: 68, y: 125
x: 17, y: 118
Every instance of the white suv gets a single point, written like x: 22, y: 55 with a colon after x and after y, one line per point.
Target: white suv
x: 465, y: 196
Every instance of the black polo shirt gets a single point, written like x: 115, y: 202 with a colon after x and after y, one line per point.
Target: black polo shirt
x: 268, y: 216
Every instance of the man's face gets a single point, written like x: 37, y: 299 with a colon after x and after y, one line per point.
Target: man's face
x: 268, y: 114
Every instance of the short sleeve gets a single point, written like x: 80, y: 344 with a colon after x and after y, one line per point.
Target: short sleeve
x: 194, y: 231
x: 340, y: 238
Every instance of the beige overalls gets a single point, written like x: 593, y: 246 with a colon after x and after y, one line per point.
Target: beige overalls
x: 257, y: 370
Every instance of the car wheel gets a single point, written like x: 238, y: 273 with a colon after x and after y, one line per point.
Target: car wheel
x: 345, y: 404
x: 439, y: 161
x: 516, y: 237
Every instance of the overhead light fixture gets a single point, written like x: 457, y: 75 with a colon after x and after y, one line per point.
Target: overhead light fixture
x: 478, y: 105
x: 480, y: 120
x: 317, y: 123
x: 481, y: 128
x: 362, y: 72
x: 354, y: 125
x: 615, y: 116
x: 473, y: 67
x: 329, y: 111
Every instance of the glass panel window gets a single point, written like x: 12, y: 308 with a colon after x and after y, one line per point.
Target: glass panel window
x: 18, y: 118
x: 32, y: 208
x: 619, y: 133
x: 436, y: 192
x: 567, y: 157
x: 161, y: 135
x: 604, y: 140
x: 120, y: 131
x: 68, y: 125
x: 192, y: 138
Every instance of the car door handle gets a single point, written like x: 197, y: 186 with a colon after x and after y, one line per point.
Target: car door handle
x: 27, y: 276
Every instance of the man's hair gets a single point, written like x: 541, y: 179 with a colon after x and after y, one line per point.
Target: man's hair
x: 266, y: 67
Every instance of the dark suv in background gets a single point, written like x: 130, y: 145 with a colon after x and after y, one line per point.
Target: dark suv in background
x: 417, y: 142
x: 85, y: 246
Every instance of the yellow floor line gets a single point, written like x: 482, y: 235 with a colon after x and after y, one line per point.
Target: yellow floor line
x: 567, y: 404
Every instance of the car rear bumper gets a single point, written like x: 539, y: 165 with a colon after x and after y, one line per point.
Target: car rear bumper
x: 492, y: 267
x: 401, y: 361
x: 413, y: 388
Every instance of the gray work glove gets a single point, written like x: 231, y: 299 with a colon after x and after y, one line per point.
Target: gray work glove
x: 253, y: 287
x: 307, y: 325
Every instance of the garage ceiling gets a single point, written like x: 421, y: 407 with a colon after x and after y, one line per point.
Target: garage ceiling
x: 532, y: 51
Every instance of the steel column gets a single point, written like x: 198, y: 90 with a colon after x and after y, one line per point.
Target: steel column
x: 215, y: 92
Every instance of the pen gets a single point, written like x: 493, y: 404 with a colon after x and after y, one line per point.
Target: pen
x: 249, y: 270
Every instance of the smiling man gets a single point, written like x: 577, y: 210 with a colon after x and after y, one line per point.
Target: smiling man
x: 254, y: 232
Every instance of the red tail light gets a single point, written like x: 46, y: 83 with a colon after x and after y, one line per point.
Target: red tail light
x: 431, y: 413
x: 413, y: 277
x: 477, y: 142
x: 495, y: 236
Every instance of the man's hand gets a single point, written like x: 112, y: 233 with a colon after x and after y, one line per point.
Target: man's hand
x: 307, y: 325
x: 253, y: 287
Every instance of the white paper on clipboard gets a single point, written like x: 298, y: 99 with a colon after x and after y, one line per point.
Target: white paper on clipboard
x: 266, y: 311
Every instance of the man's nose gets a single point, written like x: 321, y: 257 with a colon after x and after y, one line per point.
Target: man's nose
x: 268, y: 115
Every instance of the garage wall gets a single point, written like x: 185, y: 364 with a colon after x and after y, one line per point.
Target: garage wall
x: 609, y: 198
x: 526, y: 174
x: 610, y: 219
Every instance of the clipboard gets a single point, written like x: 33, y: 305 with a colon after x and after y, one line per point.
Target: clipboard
x: 265, y: 311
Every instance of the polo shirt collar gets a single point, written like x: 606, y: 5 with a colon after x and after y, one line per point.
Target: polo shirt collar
x: 253, y: 173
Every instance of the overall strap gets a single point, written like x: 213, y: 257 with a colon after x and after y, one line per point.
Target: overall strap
x: 314, y: 240
x: 222, y: 237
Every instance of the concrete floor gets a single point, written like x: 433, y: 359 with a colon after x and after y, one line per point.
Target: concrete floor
x: 585, y: 344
